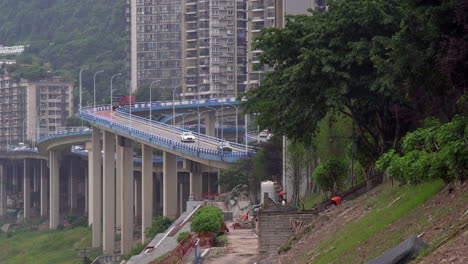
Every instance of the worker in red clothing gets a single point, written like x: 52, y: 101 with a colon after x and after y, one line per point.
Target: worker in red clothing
x: 281, y: 196
x: 245, y: 216
x: 336, y: 200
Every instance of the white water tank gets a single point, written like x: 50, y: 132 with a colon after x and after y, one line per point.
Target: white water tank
x: 268, y: 187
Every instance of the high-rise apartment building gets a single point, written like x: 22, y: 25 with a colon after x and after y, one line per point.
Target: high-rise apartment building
x: 30, y: 109
x: 266, y: 14
x: 198, y: 45
x: 261, y: 14
x: 155, y: 34
x: 216, y: 48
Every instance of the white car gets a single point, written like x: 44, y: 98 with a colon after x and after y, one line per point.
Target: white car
x: 224, y: 146
x: 263, y: 134
x: 187, y: 137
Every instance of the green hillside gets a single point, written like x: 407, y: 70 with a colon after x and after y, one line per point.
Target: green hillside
x: 70, y: 34
x: 46, y: 246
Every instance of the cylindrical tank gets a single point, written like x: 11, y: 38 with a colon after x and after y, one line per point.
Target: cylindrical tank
x: 267, y: 187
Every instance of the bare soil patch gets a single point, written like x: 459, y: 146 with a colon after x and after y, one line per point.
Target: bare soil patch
x: 241, y: 248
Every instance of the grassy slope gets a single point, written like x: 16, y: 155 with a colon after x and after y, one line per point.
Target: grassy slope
x: 44, y: 246
x: 390, y: 216
x: 347, y: 241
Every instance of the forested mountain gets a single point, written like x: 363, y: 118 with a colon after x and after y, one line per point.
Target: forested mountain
x: 70, y: 34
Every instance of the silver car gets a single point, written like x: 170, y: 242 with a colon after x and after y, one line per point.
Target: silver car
x: 187, y: 137
x: 224, y: 146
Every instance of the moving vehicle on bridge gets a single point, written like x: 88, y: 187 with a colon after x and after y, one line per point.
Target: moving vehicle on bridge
x: 119, y: 100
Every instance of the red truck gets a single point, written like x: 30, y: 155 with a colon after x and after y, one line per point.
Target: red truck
x: 120, y: 100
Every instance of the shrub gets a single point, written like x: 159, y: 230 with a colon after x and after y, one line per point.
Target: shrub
x: 439, y: 151
x: 182, y: 235
x: 160, y: 224
x: 208, y: 218
x: 331, y: 174
x: 135, y: 251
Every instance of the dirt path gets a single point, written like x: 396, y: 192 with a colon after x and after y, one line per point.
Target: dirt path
x: 241, y: 248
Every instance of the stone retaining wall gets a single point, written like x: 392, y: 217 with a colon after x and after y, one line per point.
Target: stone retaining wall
x: 273, y: 230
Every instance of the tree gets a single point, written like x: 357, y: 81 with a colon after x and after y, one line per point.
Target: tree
x: 323, y: 62
x: 331, y: 175
x: 296, y: 162
x: 374, y: 61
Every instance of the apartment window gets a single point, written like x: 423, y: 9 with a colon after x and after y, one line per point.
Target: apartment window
x: 230, y: 77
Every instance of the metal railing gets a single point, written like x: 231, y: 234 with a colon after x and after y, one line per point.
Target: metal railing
x: 126, y: 128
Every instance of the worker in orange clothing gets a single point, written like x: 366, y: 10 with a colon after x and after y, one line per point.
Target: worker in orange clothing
x: 245, y: 216
x: 281, y: 196
x: 336, y: 200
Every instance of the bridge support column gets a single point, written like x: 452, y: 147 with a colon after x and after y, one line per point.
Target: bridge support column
x: 137, y: 194
x: 86, y: 190
x: 118, y: 193
x: 210, y: 120
x: 109, y: 193
x: 27, y: 189
x: 170, y: 185
x: 219, y: 186
x: 44, y: 189
x: 195, y: 179
x: 54, y: 211
x: 147, y: 191
x: 95, y: 188
x: 125, y: 147
x: 14, y: 172
x: 3, y: 183
x: 36, y: 182
x: 73, y: 187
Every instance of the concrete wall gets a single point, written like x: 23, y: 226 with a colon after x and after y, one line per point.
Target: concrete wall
x: 273, y: 230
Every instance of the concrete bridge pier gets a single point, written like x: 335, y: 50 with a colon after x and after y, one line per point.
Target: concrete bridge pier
x: 210, y: 120
x: 54, y: 166
x: 118, y: 188
x: 73, y: 178
x: 27, y: 164
x: 170, y: 185
x: 195, y: 178
x: 109, y: 193
x: 36, y: 183
x: 95, y: 187
x: 147, y: 190
x: 137, y: 197
x: 3, y: 191
x: 16, y: 179
x: 125, y: 147
x: 44, y: 188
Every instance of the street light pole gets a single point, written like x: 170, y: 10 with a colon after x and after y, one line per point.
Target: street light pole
x: 94, y: 105
x: 151, y: 103
x: 237, y: 127
x: 81, y: 70
x: 111, y: 90
x: 245, y: 127
x: 81, y: 93
x: 173, y: 105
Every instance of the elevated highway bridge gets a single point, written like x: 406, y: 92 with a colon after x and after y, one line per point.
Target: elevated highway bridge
x: 108, y: 167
